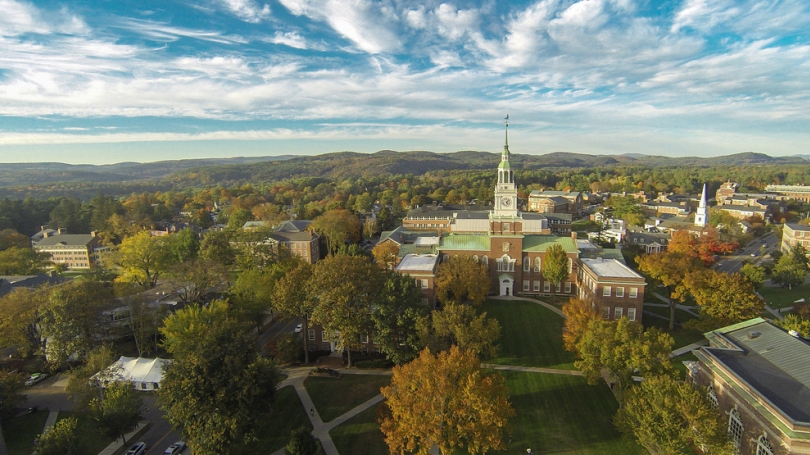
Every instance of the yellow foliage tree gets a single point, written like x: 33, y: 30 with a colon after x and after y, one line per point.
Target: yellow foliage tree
x: 460, y: 278
x: 447, y: 401
x: 386, y: 254
x: 578, y: 314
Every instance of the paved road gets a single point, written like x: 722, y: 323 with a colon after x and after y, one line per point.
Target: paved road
x: 733, y: 263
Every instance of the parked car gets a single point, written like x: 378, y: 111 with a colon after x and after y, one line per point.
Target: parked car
x: 175, y: 449
x: 299, y: 328
x: 35, y: 378
x: 137, y: 449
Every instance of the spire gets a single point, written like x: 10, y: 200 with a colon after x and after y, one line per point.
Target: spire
x: 703, y: 197
x: 702, y: 215
x: 506, y: 143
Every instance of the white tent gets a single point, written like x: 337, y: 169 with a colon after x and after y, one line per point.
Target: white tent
x: 144, y: 374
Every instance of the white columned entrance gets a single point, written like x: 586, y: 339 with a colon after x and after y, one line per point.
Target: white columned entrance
x: 507, y: 285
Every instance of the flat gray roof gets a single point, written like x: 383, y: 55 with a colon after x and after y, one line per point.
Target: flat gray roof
x: 609, y: 268
x: 417, y: 263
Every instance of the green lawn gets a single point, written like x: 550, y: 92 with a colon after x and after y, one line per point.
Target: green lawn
x: 563, y: 415
x: 335, y: 396
x: 90, y: 436
x: 531, y: 335
x: 288, y: 414
x: 783, y: 297
x: 21, y: 431
x: 360, y: 435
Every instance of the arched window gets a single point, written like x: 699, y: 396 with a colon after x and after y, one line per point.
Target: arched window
x: 445, y: 258
x: 485, y: 260
x: 735, y: 428
x: 475, y: 258
x: 570, y: 265
x: 710, y: 393
x: 526, y: 264
x: 537, y: 264
x: 764, y: 446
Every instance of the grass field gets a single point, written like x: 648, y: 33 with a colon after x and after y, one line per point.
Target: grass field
x: 531, y: 335
x: 21, y: 431
x: 778, y: 297
x: 361, y: 435
x: 563, y: 415
x: 681, y: 336
x: 288, y: 414
x: 335, y: 396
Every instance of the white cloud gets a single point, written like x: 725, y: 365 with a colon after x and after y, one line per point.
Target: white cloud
x: 247, y: 10
x: 454, y: 23
x: 291, y: 39
x: 160, y: 31
x: 17, y: 18
x: 703, y: 15
x: 362, y: 22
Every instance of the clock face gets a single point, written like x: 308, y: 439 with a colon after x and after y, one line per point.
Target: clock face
x: 506, y: 202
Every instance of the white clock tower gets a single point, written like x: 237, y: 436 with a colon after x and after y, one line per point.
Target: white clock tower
x: 506, y: 190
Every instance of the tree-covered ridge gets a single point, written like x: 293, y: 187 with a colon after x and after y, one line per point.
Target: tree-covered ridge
x: 566, y: 170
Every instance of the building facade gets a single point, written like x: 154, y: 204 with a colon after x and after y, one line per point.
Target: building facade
x: 795, y: 234
x: 758, y: 375
x: 77, y: 251
x: 613, y: 289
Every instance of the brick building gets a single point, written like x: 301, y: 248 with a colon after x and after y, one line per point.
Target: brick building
x: 613, y: 289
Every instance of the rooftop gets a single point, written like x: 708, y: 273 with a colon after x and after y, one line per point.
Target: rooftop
x: 773, y: 362
x: 66, y: 240
x: 541, y: 243
x: 418, y: 263
x: 609, y: 268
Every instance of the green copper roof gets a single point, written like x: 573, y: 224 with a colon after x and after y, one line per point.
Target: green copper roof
x: 541, y: 243
x: 417, y: 249
x: 504, y: 165
x: 471, y: 242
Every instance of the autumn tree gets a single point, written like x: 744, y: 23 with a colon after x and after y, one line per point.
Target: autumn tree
x: 460, y: 278
x: 10, y: 238
x: 755, y: 274
x: 23, y: 261
x: 182, y: 246
x: 669, y: 269
x: 555, y: 265
x: 193, y: 279
x: 624, y: 349
x: 670, y: 417
x: 627, y: 209
x: 724, y: 299
x: 445, y: 400
x: 796, y: 322
x: 216, y: 246
x: 119, y: 409
x: 142, y: 259
x: 11, y: 396
x: 396, y: 312
x: 291, y: 297
x: 337, y: 227
x: 143, y: 320
x: 386, y: 254
x: 19, y: 319
x: 72, y: 319
x: 703, y: 247
x: 217, y: 387
x: 345, y: 289
x: 459, y: 325
x: 61, y: 439
x: 791, y: 269
x: 578, y: 314
x: 84, y: 382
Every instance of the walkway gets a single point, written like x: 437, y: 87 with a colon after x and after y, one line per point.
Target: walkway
x: 531, y: 369
x: 688, y: 309
x: 688, y: 348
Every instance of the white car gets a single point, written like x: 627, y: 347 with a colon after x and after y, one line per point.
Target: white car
x: 299, y: 328
x: 175, y: 449
x: 35, y: 378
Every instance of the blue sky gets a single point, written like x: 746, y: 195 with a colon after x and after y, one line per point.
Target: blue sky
x: 110, y: 81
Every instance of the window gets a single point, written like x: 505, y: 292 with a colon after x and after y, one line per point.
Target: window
x: 537, y: 264
x: 423, y: 283
x: 525, y: 285
x: 606, y: 291
x: 546, y: 287
x: 425, y: 301
x: 617, y: 313
x: 485, y: 260
x: 631, y: 314
x: 570, y: 265
x: 475, y: 258
x: 606, y: 312
x: 445, y: 258
x: 311, y: 334
x: 567, y: 287
x: 633, y: 293
x: 364, y: 338
x: 735, y: 428
x: 712, y: 396
x: 323, y: 336
x: 558, y: 287
x: 526, y: 264
x: 506, y: 226
x: 619, y: 292
x: 537, y: 286
x: 764, y: 446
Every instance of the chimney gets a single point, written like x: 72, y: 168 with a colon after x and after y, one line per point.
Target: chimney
x: 42, y: 228
x: 93, y: 233
x: 45, y: 235
x: 574, y: 236
x: 59, y: 231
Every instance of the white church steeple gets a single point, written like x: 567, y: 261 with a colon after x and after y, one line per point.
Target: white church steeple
x: 505, y: 189
x: 701, y: 215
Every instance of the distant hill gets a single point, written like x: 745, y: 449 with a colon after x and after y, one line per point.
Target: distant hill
x: 51, y: 179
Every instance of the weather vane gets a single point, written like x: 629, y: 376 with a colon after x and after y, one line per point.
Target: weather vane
x: 506, y: 120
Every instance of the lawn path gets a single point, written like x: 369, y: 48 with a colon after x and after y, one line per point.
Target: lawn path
x: 493, y: 366
x: 539, y: 302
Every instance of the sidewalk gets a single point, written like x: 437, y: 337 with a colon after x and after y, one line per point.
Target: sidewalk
x: 688, y: 348
x: 539, y: 302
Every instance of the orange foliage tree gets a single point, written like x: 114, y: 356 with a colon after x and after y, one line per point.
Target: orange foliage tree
x: 578, y: 313
x: 703, y: 247
x: 448, y: 401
